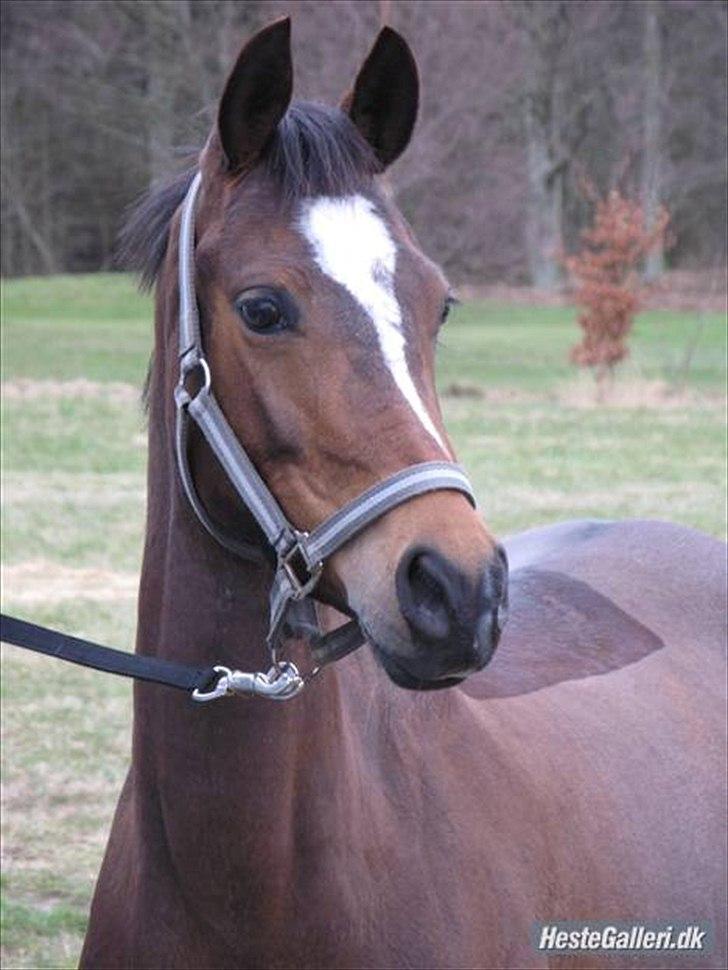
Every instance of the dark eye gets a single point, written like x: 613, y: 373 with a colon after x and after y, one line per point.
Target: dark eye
x: 264, y: 311
x: 450, y: 302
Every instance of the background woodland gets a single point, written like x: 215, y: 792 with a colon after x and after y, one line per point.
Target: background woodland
x: 522, y: 99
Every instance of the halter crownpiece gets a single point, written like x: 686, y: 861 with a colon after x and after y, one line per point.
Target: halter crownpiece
x: 300, y: 556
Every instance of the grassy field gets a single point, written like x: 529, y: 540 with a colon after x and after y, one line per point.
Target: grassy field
x: 74, y: 355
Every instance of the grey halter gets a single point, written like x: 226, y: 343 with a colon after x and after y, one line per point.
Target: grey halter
x: 300, y: 556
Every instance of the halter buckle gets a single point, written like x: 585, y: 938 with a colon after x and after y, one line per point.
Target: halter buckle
x: 300, y: 572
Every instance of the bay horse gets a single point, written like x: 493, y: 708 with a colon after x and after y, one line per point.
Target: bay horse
x: 579, y: 776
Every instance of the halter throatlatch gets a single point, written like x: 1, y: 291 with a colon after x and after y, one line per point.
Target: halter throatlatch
x: 300, y: 556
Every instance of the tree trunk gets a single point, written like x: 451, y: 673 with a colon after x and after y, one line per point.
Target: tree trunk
x: 545, y: 197
x: 651, y: 114
x: 32, y: 239
x: 544, y: 28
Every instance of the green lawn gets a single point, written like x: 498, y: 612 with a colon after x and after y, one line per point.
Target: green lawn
x: 75, y: 351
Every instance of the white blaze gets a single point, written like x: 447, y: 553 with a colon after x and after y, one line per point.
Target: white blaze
x: 352, y: 245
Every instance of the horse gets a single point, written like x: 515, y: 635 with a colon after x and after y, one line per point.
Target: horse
x: 429, y: 797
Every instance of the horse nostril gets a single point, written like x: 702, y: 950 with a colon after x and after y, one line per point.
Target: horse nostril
x: 422, y: 589
x: 494, y: 604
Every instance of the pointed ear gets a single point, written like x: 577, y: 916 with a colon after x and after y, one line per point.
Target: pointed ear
x: 256, y: 95
x: 383, y: 102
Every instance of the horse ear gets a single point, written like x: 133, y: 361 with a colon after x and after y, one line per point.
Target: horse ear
x: 257, y: 94
x: 383, y: 102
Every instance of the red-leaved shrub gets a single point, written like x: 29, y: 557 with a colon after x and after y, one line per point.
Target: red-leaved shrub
x: 609, y: 288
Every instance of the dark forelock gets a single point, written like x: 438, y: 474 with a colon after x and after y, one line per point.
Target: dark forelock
x: 317, y: 150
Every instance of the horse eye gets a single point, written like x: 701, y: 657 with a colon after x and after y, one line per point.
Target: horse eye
x: 449, y: 303
x: 261, y: 312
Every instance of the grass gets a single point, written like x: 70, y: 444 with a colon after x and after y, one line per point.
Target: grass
x: 73, y: 513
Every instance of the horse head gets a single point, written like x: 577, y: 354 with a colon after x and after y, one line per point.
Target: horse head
x: 320, y: 314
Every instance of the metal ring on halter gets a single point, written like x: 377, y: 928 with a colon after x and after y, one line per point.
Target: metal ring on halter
x: 188, y: 368
x: 295, y: 564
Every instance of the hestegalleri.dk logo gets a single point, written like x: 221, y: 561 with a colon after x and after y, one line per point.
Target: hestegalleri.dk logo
x: 573, y: 936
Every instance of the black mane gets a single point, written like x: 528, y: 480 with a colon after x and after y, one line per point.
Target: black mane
x: 142, y: 241
x: 316, y: 150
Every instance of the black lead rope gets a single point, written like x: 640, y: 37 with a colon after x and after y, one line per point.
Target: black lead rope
x: 281, y: 682
x: 54, y: 644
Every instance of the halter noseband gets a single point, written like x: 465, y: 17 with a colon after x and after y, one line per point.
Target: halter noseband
x: 300, y: 556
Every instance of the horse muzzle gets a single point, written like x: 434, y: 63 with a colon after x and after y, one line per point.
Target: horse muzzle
x: 454, y: 620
